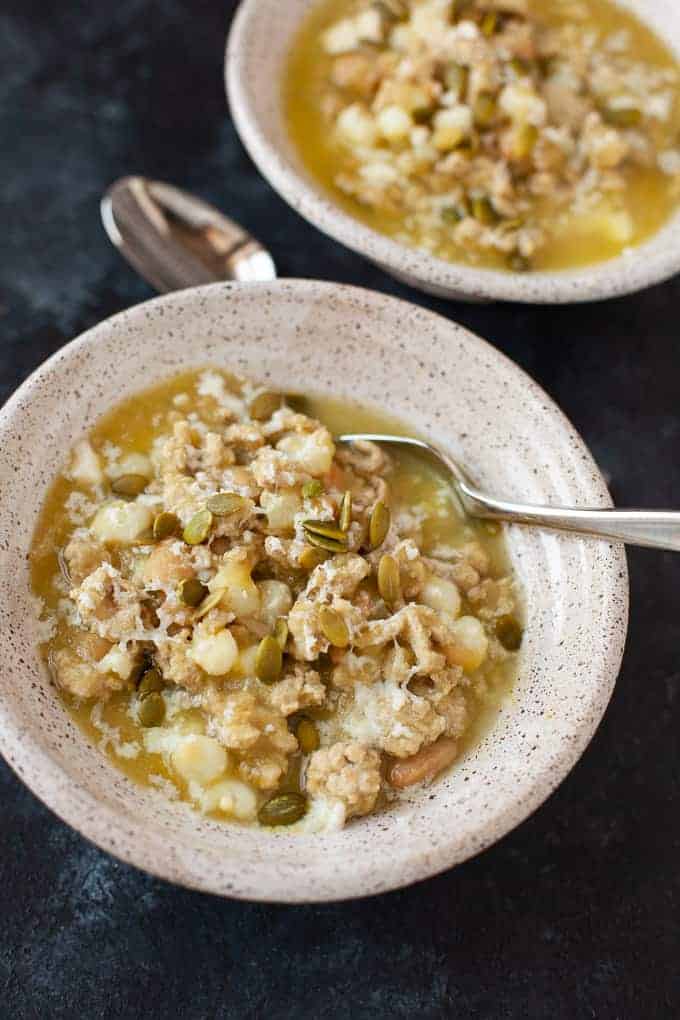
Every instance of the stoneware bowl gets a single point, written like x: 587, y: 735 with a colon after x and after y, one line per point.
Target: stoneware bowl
x: 448, y: 385
x: 256, y: 52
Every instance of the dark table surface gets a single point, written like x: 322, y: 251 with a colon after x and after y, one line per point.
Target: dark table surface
x: 575, y: 914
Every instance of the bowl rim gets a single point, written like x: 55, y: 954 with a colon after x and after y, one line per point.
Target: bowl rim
x: 98, y: 821
x: 651, y: 262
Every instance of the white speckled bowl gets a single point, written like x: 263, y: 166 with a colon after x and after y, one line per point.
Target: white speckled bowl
x: 450, y: 386
x: 256, y: 51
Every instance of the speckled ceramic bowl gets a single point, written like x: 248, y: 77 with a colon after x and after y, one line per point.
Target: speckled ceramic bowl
x: 452, y: 387
x: 256, y: 52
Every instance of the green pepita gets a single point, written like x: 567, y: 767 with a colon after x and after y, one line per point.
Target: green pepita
x: 509, y: 633
x: 524, y: 140
x: 622, y: 116
x: 346, y: 511
x: 269, y: 660
x: 198, y: 528
x: 321, y: 542
x: 489, y: 23
x: 325, y: 529
x: 307, y: 736
x: 283, y: 809
x: 310, y: 558
x: 483, y: 211
x: 210, y: 602
x: 333, y: 627
x: 453, y: 214
x: 312, y: 489
x: 264, y: 404
x: 519, y: 263
x: 389, y: 579
x: 151, y: 709
x: 519, y: 68
x: 456, y: 80
x: 191, y: 591
x: 281, y: 632
x: 378, y: 525
x: 224, y: 503
x: 485, y: 109
x: 129, y: 486
x: 165, y: 525
x: 151, y: 681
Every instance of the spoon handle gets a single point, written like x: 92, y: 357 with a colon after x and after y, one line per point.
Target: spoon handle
x: 656, y: 528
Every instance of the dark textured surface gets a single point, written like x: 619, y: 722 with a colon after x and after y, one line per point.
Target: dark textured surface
x: 575, y: 914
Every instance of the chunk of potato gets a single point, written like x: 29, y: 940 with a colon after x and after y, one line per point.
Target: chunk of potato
x: 167, y: 564
x: 85, y: 467
x: 216, y: 653
x: 131, y: 464
x: 470, y: 643
x: 275, y: 600
x: 357, y: 126
x: 245, y: 666
x: 121, y: 523
x: 199, y: 759
x: 313, y: 451
x: 442, y: 595
x: 281, y: 508
x: 241, y: 594
x: 119, y: 661
x: 231, y: 797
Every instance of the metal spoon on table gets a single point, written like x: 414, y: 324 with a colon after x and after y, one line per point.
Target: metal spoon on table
x: 175, y: 240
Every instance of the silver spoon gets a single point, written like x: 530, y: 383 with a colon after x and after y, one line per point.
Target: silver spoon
x: 175, y: 240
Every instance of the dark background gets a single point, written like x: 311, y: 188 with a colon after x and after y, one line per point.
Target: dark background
x: 575, y: 914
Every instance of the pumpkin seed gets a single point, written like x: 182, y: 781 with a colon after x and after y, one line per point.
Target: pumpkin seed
x: 622, y: 116
x: 283, y: 809
x: 333, y: 627
x: 329, y: 544
x: 520, y: 68
x: 264, y: 404
x: 129, y: 486
x: 307, y: 736
x: 281, y: 632
x: 524, y: 140
x: 223, y: 503
x: 422, y: 114
x: 483, y: 211
x: 312, y: 489
x: 198, y: 528
x: 151, y: 709
x: 519, y: 263
x: 151, y: 681
x: 191, y: 591
x: 165, y: 524
x: 389, y: 579
x: 509, y: 632
x: 453, y: 214
x: 346, y: 511
x: 456, y: 79
x: 325, y: 529
x: 485, y: 109
x: 378, y: 525
x: 489, y: 23
x: 210, y: 602
x: 310, y: 558
x: 269, y: 660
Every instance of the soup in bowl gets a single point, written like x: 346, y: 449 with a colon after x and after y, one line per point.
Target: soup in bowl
x: 136, y: 630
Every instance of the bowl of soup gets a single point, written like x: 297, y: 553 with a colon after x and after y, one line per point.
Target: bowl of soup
x: 490, y: 149
x: 260, y: 662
